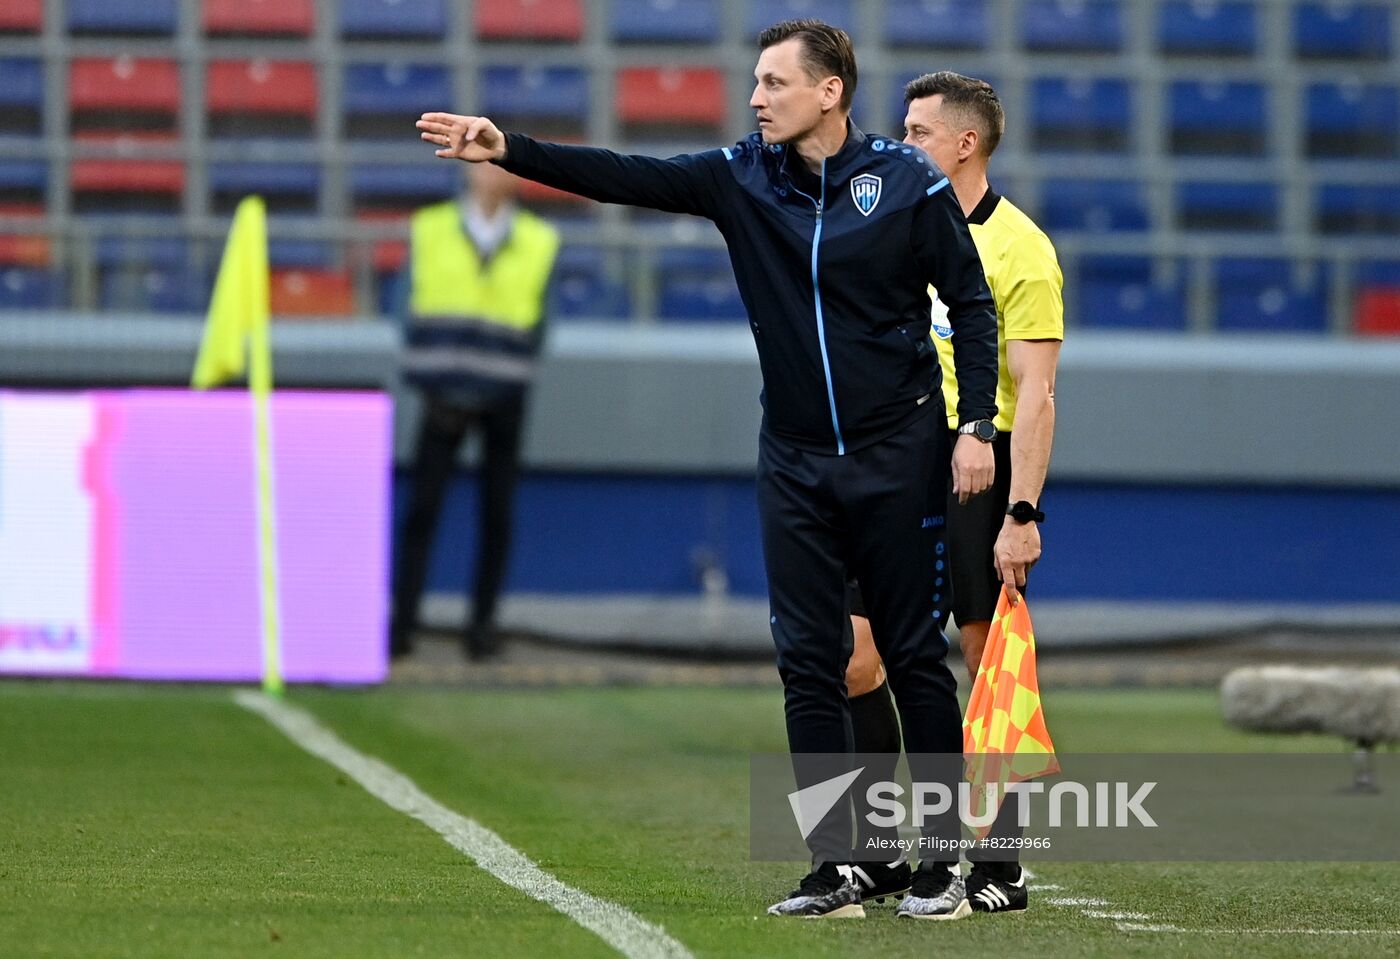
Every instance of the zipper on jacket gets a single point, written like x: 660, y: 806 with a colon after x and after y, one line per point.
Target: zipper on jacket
x: 821, y: 322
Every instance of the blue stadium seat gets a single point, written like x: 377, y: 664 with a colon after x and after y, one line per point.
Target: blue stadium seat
x: 1270, y: 294
x: 403, y: 185
x: 23, y: 288
x: 153, y: 17
x: 1122, y: 292
x: 1079, y: 114
x: 426, y: 19
x: 666, y: 21
x: 297, y: 252
x: 1080, y: 26
x: 23, y: 180
x: 1212, y: 118
x: 582, y: 286
x: 558, y: 92
x: 1193, y: 28
x: 380, y: 98
x: 697, y: 284
x: 945, y: 24
x: 1378, y: 273
x: 1351, y: 120
x: 154, y: 289
x: 287, y: 187
x: 21, y: 96
x: 1353, y: 208
x: 1227, y: 206
x: 1341, y: 30
x: 1098, y: 206
x: 765, y: 13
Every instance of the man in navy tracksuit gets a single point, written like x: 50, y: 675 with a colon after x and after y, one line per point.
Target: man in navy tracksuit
x: 835, y: 236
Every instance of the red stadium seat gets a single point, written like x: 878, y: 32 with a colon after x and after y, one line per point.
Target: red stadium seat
x: 21, y: 16
x: 128, y: 176
x: 25, y: 249
x: 387, y: 256
x: 125, y: 83
x: 529, y: 19
x: 285, y: 18
x: 666, y: 95
x: 1378, y: 311
x: 262, y: 86
x: 312, y: 293
x: 532, y: 192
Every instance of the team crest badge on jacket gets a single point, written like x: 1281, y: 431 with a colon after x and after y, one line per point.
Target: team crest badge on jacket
x: 865, y: 191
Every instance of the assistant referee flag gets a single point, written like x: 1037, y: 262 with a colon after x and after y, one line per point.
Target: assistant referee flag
x: 1004, y: 734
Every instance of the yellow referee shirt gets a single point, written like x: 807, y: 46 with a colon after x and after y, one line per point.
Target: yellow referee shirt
x: 1026, y: 284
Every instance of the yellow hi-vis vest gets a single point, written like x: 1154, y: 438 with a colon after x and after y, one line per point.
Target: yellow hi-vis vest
x: 449, y: 280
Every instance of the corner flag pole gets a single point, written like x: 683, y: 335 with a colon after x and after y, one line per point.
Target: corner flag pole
x: 236, y: 336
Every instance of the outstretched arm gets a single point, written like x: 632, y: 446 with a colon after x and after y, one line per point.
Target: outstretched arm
x: 682, y: 184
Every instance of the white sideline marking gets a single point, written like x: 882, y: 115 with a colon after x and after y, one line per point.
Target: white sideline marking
x: 1096, y: 914
x: 1077, y: 901
x: 626, y: 932
x: 1140, y: 927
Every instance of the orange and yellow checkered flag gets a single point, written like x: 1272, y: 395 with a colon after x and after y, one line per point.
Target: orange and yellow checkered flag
x: 1004, y: 734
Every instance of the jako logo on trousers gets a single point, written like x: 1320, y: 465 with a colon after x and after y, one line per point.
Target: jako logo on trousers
x: 931, y: 521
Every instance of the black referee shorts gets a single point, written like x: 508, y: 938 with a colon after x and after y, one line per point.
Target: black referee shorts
x: 972, y: 533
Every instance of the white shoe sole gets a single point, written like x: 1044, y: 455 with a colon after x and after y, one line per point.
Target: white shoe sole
x: 963, y: 910
x: 854, y: 911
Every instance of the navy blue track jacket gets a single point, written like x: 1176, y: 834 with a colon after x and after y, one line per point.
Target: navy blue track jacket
x: 833, y: 269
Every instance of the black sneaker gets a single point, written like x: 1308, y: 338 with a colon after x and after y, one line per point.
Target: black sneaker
x: 824, y: 894
x: 877, y: 880
x: 988, y: 894
x: 937, y: 892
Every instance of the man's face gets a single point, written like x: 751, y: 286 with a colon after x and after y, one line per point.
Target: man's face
x: 787, y: 101
x: 925, y: 128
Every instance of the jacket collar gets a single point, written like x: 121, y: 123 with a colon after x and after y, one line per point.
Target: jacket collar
x: 850, y: 150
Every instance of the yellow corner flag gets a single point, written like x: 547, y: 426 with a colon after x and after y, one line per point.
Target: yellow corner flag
x: 236, y: 338
x: 1004, y: 734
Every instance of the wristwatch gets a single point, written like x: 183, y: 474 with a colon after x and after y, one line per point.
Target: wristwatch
x: 1024, y: 512
x: 984, y: 430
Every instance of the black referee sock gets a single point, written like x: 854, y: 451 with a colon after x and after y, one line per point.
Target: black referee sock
x: 1006, y: 826
x: 876, y: 728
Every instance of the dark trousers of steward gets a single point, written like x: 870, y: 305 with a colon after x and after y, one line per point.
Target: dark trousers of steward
x: 878, y: 514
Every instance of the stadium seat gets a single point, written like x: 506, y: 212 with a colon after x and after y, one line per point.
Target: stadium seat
x: 582, y: 286
x: 1376, y: 311
x: 528, y: 92
x: 21, y: 16
x: 124, y: 94
x: 1122, y: 292
x: 382, y: 99
x: 393, y: 19
x: 148, y: 274
x: 127, y: 186
x: 697, y: 284
x: 21, y: 96
x: 24, y: 249
x: 259, y: 18
x: 23, y: 288
x: 665, y: 21
x: 1097, y: 206
x: 1214, y: 29
x: 287, y: 187
x: 1227, y: 206
x: 404, y: 186
x: 558, y: 20
x: 942, y: 24
x: 1351, y: 120
x: 23, y: 181
x: 1337, y: 29
x: 1213, y: 118
x: 149, y: 17
x: 765, y: 13
x: 1078, y: 26
x: 311, y: 293
x: 1358, y: 208
x: 247, y: 98
x: 659, y: 96
x: 1270, y: 294
x: 1080, y: 114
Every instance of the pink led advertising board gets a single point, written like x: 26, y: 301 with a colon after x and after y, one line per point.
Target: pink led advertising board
x: 129, y: 536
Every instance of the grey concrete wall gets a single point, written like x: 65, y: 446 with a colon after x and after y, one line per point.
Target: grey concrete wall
x: 1171, y: 408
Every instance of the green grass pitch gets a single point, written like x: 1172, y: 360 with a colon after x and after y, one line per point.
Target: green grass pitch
x: 149, y: 821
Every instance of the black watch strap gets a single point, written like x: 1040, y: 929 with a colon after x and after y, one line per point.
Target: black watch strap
x: 1023, y: 511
